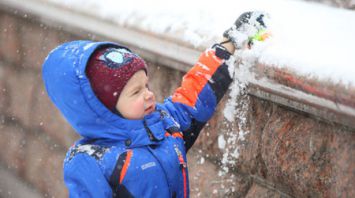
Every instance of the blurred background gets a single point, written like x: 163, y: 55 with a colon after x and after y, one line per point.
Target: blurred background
x: 297, y: 154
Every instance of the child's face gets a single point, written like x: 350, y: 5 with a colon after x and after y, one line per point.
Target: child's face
x: 136, y: 100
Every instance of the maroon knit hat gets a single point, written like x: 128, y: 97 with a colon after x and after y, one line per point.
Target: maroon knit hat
x: 109, y: 69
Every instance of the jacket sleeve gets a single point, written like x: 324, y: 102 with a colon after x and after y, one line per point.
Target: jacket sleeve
x: 83, y: 178
x: 194, y: 102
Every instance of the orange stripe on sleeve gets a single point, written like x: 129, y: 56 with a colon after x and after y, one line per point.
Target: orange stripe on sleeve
x: 125, y: 165
x: 196, y: 79
x: 177, y: 135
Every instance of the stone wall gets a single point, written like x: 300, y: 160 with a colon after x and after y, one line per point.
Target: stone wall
x: 34, y: 136
x: 283, y: 153
x: 274, y: 152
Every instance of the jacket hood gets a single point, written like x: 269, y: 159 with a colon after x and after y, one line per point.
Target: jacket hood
x: 69, y: 89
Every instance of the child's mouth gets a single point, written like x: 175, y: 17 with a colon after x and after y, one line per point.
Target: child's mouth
x: 149, y: 110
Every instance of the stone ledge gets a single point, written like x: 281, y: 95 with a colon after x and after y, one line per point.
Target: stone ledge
x: 81, y: 24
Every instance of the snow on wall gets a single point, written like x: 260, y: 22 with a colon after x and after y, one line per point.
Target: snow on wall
x: 311, y: 38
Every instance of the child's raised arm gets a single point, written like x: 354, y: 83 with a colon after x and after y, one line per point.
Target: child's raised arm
x: 195, y: 101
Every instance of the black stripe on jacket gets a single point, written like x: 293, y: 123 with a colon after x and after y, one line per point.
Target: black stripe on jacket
x: 219, y: 83
x: 119, y: 190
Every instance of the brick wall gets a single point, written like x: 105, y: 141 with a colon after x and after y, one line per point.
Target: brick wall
x: 276, y: 152
x: 34, y: 136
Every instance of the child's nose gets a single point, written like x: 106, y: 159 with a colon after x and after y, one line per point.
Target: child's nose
x: 148, y: 94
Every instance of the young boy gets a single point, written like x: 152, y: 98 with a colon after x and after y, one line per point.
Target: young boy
x: 131, y: 145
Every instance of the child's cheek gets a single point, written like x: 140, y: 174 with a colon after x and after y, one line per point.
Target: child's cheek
x: 138, y: 106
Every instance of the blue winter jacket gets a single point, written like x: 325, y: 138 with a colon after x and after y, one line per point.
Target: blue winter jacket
x: 117, y: 157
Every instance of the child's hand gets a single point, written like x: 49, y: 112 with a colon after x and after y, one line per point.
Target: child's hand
x: 249, y: 27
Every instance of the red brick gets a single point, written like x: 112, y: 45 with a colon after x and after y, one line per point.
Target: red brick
x: 51, y: 40
x: 206, y: 179
x: 306, y: 156
x: 37, y: 41
x: 300, y: 155
x: 20, y: 91
x: 12, y: 143
x: 44, y: 166
x: 4, y: 99
x: 163, y: 81
x: 261, y: 192
x: 219, y: 126
x: 53, y: 174
x: 32, y: 41
x: 46, y: 116
x: 9, y: 39
x: 208, y: 138
x: 249, y: 158
x: 343, y: 162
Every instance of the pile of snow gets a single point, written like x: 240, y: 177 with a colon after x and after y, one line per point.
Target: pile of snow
x: 311, y: 38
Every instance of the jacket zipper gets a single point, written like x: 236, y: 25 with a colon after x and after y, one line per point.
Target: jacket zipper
x: 183, y: 168
x: 149, y: 132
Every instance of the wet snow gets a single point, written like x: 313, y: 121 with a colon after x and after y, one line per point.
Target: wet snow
x: 312, y: 38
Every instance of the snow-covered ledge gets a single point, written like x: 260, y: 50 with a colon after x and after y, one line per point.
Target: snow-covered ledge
x: 173, y: 54
x: 181, y: 54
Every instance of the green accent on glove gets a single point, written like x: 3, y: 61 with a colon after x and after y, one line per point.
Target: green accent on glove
x: 261, y: 35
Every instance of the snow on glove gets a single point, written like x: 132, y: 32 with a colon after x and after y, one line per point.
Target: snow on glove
x: 249, y: 27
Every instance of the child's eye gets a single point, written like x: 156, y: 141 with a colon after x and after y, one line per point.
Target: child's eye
x: 135, y: 92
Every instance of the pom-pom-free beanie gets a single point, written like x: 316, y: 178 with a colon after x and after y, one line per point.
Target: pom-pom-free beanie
x: 109, y: 70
